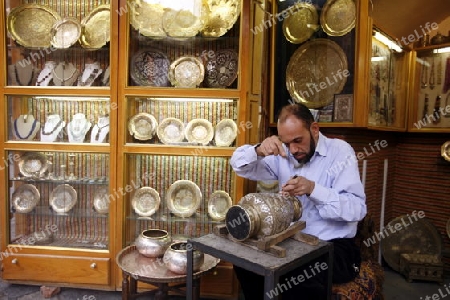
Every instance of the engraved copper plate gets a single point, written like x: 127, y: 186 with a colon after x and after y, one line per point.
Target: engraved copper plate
x: 33, y: 164
x: 186, y: 72
x: 153, y: 270
x: 142, y: 126
x: 140, y: 20
x: 180, y: 22
x: 65, y: 33
x: 301, y: 23
x: 145, y: 201
x: 315, y: 73
x: 199, y: 131
x: 170, y: 130
x: 31, y: 25
x: 101, y: 200
x: 445, y: 150
x: 407, y: 235
x: 222, y: 69
x: 150, y: 68
x: 183, y: 198
x: 225, y: 133
x: 25, y: 198
x: 338, y: 17
x: 96, y: 28
x: 218, y: 205
x: 223, y: 15
x: 63, y: 198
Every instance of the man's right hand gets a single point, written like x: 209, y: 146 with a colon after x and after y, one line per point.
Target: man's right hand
x: 271, y: 146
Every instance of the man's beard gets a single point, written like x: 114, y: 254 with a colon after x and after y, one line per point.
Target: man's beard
x: 312, y: 149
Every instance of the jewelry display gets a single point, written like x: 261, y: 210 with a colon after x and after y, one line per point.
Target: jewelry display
x: 52, y: 128
x: 65, y: 74
x: 46, y: 75
x: 90, y: 74
x: 431, y: 80
x: 26, y: 127
x: 78, y: 128
x: 423, y: 74
x: 446, y: 86
x: 439, y: 71
x: 72, y: 167
x: 106, y: 75
x: 100, y: 130
x: 23, y: 73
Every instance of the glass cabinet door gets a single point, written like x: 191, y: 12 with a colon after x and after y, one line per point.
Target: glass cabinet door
x: 58, y: 43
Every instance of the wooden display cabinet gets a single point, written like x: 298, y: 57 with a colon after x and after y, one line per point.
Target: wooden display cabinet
x: 58, y: 140
x: 430, y: 96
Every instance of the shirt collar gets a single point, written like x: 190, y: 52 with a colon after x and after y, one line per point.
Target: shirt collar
x: 321, y: 148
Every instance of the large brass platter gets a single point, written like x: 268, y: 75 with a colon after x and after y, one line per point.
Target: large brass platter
x: 150, y: 67
x: 405, y: 234
x: 170, y: 130
x: 96, y: 28
x: 222, y: 17
x: 183, y: 198
x: 65, y: 33
x: 301, y: 23
x: 186, y: 72
x: 338, y: 17
x: 33, y: 164
x: 180, y: 22
x: 218, y: 205
x: 30, y: 25
x: 316, y: 72
x: 140, y: 20
x: 63, y: 198
x: 199, y: 131
x: 143, y: 126
x: 222, y: 69
x: 25, y: 198
x: 145, y: 201
x: 225, y: 133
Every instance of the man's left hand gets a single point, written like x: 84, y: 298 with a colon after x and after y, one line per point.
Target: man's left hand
x: 298, y: 186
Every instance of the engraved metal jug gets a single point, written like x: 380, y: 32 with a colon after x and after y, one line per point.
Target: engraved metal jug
x: 262, y: 214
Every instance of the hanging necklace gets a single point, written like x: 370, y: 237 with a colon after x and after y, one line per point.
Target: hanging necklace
x: 61, y: 68
x: 18, y: 77
x: 100, y: 128
x: 46, y: 74
x: 78, y: 128
x: 91, y: 78
x: 33, y: 127
x: 424, y: 74
x: 431, y: 80
x: 52, y: 129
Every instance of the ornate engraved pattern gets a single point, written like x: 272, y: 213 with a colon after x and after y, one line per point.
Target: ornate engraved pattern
x: 183, y: 22
x: 142, y: 126
x: 186, y: 72
x: 150, y: 68
x: 65, y: 33
x: 25, y: 198
x: 338, y: 17
x: 140, y: 10
x: 222, y: 69
x: 199, y: 131
x: 171, y: 130
x: 33, y: 164
x: 225, y: 133
x: 301, y: 24
x: 183, y: 198
x: 218, y: 205
x: 145, y: 201
x: 315, y: 73
x: 63, y: 198
x: 31, y: 25
x: 96, y: 28
x: 223, y: 15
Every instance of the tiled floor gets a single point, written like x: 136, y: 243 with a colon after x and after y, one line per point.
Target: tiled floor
x: 395, y: 288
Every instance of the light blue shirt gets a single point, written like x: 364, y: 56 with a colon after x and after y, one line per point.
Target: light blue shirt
x: 338, y: 200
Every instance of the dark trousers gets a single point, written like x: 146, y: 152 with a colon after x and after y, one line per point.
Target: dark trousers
x: 346, y: 259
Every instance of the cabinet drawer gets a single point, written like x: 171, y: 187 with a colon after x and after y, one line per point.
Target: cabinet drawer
x: 56, y: 269
x: 220, y: 283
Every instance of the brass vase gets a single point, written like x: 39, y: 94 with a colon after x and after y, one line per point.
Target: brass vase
x: 258, y: 215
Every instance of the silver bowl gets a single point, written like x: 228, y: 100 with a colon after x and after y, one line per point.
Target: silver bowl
x: 175, y: 258
x: 153, y: 242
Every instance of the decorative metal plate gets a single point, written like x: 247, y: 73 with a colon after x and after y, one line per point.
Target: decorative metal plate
x: 225, y: 133
x: 338, y: 17
x: 96, y: 26
x: 222, y: 69
x: 218, y: 205
x: 145, y: 201
x: 445, y: 150
x: 31, y: 25
x: 150, y: 68
x: 184, y: 22
x: 65, y: 33
x: 301, y: 23
x: 140, y: 10
x: 25, y: 198
x: 170, y: 130
x: 199, y: 131
x: 183, y: 198
x: 405, y: 234
x: 315, y: 73
x: 33, y: 164
x: 222, y: 17
x: 186, y: 72
x: 63, y: 198
x: 101, y: 200
x: 142, y: 126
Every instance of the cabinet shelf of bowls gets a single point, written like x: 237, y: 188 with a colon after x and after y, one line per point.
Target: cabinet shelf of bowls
x: 58, y: 137
x: 184, y: 110
x: 316, y: 50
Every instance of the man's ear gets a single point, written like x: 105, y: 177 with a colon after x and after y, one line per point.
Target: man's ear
x: 315, y: 129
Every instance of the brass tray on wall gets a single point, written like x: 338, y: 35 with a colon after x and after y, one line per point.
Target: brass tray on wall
x: 338, y: 17
x: 96, y: 28
x: 301, y: 25
x: 316, y: 72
